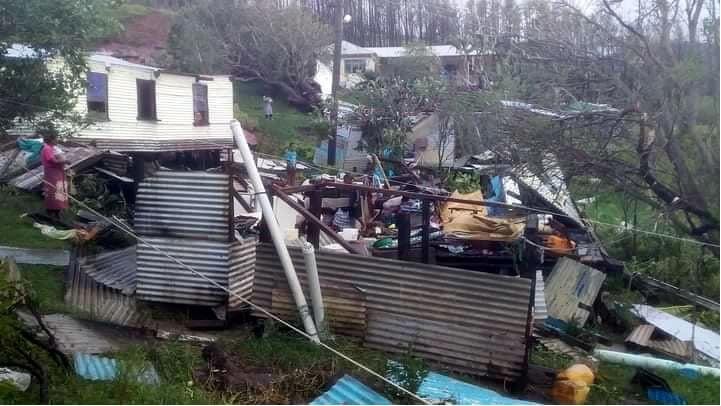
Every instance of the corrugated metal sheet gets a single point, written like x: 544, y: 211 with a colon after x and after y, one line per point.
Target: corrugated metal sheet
x: 350, y: 391
x: 469, y: 322
x: 76, y: 157
x: 158, y: 144
x: 161, y: 279
x: 98, y: 301
x: 540, y: 312
x: 641, y: 335
x: 72, y: 336
x: 441, y: 389
x: 114, y: 269
x: 672, y: 347
x: 184, y: 205
x: 569, y: 285
x: 345, y: 308
x: 97, y: 368
x: 242, y: 271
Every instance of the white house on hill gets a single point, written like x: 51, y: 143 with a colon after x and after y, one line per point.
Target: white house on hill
x: 139, y: 108
x: 143, y: 108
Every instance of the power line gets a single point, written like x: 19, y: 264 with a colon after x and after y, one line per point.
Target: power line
x: 131, y: 233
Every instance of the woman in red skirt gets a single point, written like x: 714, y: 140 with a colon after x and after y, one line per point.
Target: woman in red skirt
x: 55, y: 183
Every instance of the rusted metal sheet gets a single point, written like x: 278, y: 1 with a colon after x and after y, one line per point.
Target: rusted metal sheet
x: 98, y: 301
x: 641, y: 335
x: 114, y: 269
x: 649, y: 337
x: 241, y: 272
x: 345, y: 308
x: 570, y: 289
x: 175, y: 204
x: 466, y: 321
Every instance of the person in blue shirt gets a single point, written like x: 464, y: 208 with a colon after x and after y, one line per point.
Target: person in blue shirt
x: 290, y: 161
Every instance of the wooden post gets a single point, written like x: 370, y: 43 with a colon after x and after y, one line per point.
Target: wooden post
x: 313, y: 233
x: 426, y: 231
x: 404, y: 235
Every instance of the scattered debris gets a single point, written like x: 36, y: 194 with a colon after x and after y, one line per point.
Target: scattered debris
x: 650, y: 338
x: 704, y: 341
x: 20, y: 380
x: 168, y: 335
x: 349, y: 391
x: 97, y: 368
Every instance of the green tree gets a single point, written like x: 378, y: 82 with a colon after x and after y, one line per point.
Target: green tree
x: 253, y: 41
x: 30, y: 88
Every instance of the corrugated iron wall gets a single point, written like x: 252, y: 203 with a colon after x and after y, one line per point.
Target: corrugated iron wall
x: 184, y: 205
x: 160, y: 279
x: 96, y: 300
x: 466, y: 321
x: 242, y: 269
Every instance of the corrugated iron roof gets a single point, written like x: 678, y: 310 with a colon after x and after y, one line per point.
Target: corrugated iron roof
x: 469, y: 322
x: 157, y: 144
x: 350, y: 391
x: 569, y: 285
x: 72, y: 336
x: 641, y: 335
x: 114, y: 269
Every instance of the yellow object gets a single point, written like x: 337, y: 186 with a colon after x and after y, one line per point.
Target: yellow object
x: 469, y: 221
x: 573, y: 385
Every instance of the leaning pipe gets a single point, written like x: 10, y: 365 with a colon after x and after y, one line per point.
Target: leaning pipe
x: 311, y: 269
x: 643, y: 361
x: 274, y: 230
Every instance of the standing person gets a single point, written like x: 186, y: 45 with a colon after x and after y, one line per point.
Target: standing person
x: 291, y: 156
x: 268, y: 107
x: 55, y: 184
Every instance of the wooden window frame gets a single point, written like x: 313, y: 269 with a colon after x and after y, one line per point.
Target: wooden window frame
x: 140, y: 83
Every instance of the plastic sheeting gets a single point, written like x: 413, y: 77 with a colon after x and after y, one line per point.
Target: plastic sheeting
x: 468, y: 221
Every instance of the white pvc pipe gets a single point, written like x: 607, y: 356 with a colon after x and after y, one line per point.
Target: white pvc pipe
x: 274, y: 229
x: 311, y: 269
x: 643, y: 361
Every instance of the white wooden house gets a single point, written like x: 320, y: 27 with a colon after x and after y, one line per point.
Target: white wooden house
x: 139, y: 108
x: 142, y: 108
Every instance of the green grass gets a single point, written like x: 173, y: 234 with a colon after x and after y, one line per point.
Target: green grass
x: 47, y: 282
x: 19, y: 232
x: 288, y: 124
